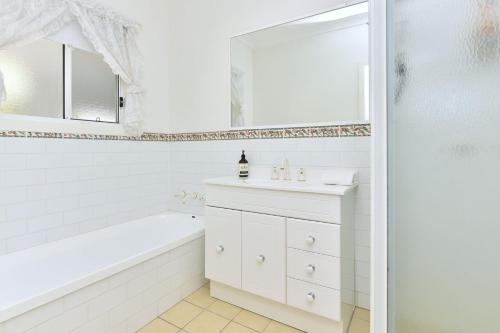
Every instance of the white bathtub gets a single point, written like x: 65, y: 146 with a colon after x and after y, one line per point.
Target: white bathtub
x: 46, y: 273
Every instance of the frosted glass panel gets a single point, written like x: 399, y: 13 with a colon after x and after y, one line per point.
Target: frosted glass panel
x: 444, y: 166
x: 33, y: 77
x: 94, y: 88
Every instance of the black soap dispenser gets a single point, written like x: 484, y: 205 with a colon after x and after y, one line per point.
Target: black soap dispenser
x: 243, y: 166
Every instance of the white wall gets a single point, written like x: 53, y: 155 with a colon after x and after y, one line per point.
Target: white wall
x: 198, y: 36
x: 52, y: 189
x: 310, y: 79
x: 152, y: 15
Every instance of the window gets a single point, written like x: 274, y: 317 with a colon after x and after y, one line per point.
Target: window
x: 92, y: 90
x: 51, y: 79
x: 33, y: 77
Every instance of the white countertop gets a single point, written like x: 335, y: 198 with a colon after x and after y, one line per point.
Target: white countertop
x: 281, y: 185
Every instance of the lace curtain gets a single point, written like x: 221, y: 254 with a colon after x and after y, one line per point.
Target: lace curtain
x: 114, y: 37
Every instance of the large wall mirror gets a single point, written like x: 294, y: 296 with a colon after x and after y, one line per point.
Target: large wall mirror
x: 309, y: 71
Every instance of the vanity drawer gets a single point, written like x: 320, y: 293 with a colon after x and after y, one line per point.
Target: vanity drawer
x: 316, y: 237
x: 315, y: 268
x: 312, y: 298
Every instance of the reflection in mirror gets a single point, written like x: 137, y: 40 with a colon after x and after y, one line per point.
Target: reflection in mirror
x: 309, y: 71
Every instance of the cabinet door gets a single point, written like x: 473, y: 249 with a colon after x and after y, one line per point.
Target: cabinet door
x: 223, y: 246
x: 264, y: 255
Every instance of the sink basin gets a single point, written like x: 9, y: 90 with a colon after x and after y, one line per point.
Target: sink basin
x: 281, y: 185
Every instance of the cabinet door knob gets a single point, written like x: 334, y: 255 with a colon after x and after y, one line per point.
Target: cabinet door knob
x: 310, y: 269
x: 220, y: 249
x: 261, y: 258
x: 311, y: 297
x: 310, y: 240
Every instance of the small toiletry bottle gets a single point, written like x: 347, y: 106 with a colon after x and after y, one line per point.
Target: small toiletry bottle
x: 275, y: 175
x: 301, y: 176
x: 243, y: 166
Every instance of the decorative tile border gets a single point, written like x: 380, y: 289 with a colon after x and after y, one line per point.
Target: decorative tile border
x: 268, y: 133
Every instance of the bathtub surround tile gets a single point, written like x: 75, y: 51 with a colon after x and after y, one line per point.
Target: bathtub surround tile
x: 97, y: 325
x: 85, y: 294
x: 34, y: 318
x: 137, y: 320
x: 124, y: 311
x: 3, y: 247
x: 92, y: 184
x: 67, y: 321
x: 107, y: 301
x: 106, y: 306
x: 45, y: 222
x: 12, y: 229
x: 25, y: 241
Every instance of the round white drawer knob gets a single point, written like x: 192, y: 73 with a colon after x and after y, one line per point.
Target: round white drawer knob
x: 220, y: 249
x: 310, y: 269
x: 311, y: 297
x: 261, y: 258
x: 310, y: 240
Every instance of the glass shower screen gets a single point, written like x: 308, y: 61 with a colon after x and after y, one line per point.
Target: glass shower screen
x: 444, y: 166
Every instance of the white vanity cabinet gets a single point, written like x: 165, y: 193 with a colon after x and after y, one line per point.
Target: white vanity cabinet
x: 264, y: 255
x: 223, y: 246
x: 283, y: 250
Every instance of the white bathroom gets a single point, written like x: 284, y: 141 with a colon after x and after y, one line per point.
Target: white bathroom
x: 249, y: 166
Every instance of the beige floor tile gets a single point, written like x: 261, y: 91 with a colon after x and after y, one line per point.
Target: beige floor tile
x: 359, y: 326
x: 181, y: 313
x: 201, y: 298
x: 236, y: 328
x: 252, y: 320
x: 207, y: 322
x: 224, y: 309
x: 275, y: 327
x: 207, y: 285
x: 362, y: 314
x: 159, y: 326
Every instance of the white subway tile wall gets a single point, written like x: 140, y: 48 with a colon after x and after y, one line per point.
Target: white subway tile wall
x: 123, y: 302
x: 57, y: 188
x: 191, y: 162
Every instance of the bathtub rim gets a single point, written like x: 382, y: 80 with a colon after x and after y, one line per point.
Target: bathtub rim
x: 49, y: 296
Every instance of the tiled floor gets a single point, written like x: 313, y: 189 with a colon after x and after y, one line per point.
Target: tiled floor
x: 200, y: 313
